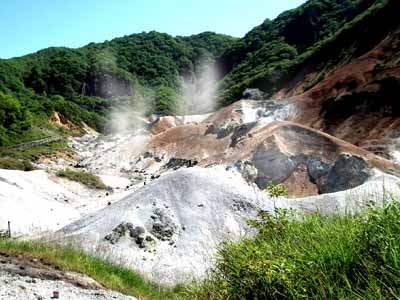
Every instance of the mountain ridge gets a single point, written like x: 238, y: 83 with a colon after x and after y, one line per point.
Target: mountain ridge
x: 85, y: 84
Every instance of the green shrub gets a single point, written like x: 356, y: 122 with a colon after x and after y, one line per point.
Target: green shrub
x: 165, y: 101
x: 276, y: 190
x: 34, y: 153
x: 316, y: 257
x: 90, y: 180
x: 15, y: 164
x: 14, y: 118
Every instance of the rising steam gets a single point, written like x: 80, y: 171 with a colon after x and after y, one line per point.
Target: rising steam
x: 128, y: 113
x: 129, y: 103
x: 198, y: 92
x: 197, y: 95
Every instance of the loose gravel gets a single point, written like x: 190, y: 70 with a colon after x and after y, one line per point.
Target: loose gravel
x: 16, y: 287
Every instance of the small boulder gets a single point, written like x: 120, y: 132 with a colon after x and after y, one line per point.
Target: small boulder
x: 347, y: 173
x: 253, y: 93
x: 247, y: 169
x: 318, y: 171
x: 163, y: 226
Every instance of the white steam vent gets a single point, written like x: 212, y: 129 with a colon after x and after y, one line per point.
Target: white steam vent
x: 198, y: 93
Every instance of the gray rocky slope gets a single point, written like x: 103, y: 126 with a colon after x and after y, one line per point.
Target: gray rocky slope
x: 180, y: 188
x: 170, y: 230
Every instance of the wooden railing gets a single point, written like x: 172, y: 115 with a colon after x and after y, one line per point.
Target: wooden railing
x: 6, y: 234
x: 40, y: 142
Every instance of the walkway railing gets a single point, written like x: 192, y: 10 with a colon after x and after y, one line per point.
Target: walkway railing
x: 6, y: 234
x: 40, y: 142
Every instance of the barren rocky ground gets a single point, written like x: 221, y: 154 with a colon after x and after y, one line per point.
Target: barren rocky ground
x: 17, y: 287
x: 33, y: 279
x: 180, y: 186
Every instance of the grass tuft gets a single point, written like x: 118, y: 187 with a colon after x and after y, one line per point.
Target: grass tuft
x: 90, y: 180
x: 15, y: 164
x: 276, y: 190
x: 316, y: 257
x: 33, y: 153
x: 69, y: 259
x: 291, y: 257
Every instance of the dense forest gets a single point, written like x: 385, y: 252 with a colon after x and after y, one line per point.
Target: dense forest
x: 84, y: 84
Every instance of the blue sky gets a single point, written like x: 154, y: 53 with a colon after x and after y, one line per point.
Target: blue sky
x: 30, y: 25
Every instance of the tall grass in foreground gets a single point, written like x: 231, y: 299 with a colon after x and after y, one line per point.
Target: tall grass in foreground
x: 109, y: 276
x: 317, y: 257
x: 313, y: 257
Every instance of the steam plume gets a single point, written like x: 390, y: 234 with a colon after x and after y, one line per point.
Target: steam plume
x: 198, y: 93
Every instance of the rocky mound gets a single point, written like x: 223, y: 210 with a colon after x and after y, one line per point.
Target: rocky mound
x: 254, y: 137
x: 351, y: 93
x: 178, y: 190
x: 248, y: 136
x: 169, y: 231
x: 189, y: 183
x: 306, y: 160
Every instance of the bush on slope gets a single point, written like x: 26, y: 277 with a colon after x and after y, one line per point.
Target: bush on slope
x: 318, y: 257
x: 90, y: 180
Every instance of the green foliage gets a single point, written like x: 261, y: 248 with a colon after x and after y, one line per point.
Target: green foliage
x: 208, y: 45
x: 151, y: 58
x: 276, y: 190
x: 69, y: 259
x: 81, y: 83
x: 90, y: 180
x: 316, y: 257
x: 15, y: 164
x: 33, y: 153
x: 10, y: 76
x: 165, y: 101
x: 14, y: 118
x: 266, y: 56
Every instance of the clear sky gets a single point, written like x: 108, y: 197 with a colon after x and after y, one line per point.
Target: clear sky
x: 30, y: 25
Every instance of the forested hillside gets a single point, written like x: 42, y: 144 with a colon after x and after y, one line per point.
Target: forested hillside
x: 83, y: 84
x: 207, y: 166
x: 266, y: 56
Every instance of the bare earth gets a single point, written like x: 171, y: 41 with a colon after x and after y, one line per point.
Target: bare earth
x: 32, y: 279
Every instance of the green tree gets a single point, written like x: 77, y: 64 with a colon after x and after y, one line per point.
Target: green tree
x: 165, y: 101
x: 14, y: 118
